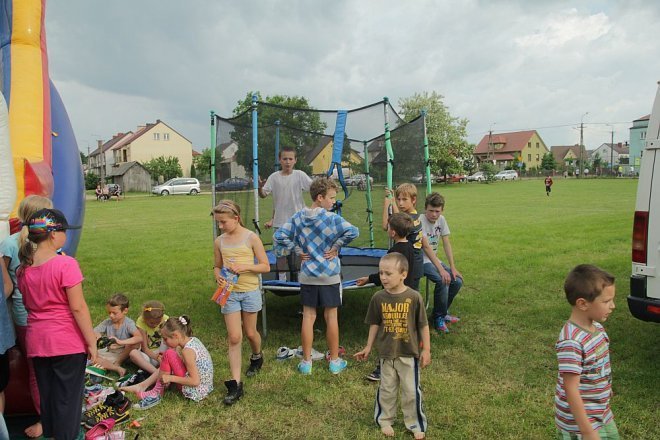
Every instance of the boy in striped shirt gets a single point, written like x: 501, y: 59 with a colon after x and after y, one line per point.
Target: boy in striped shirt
x: 584, y: 381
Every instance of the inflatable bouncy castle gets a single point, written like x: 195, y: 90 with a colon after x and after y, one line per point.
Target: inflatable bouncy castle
x: 38, y: 150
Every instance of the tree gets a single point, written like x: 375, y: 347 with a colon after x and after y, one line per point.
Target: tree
x: 167, y: 167
x: 299, y: 129
x: 489, y: 170
x: 548, y: 162
x: 447, y: 135
x: 202, y: 163
x: 598, y: 164
x: 83, y: 160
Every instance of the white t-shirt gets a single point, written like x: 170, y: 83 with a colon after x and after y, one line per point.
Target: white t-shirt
x: 434, y: 232
x: 287, y: 194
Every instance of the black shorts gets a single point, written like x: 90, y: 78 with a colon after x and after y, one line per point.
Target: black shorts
x: 312, y: 295
x: 4, y: 370
x: 548, y: 188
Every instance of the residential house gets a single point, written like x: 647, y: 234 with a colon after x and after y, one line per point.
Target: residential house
x: 612, y: 154
x: 131, y: 176
x: 509, y: 149
x: 320, y: 157
x: 229, y: 167
x: 151, y: 141
x: 637, y: 141
x: 568, y: 155
x: 102, y: 158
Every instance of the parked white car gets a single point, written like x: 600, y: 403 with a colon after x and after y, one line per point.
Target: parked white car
x: 644, y: 298
x: 479, y: 176
x: 357, y: 178
x: 506, y: 175
x: 179, y: 185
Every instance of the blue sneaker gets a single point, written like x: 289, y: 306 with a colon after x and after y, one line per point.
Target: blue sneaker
x: 337, y: 366
x: 440, y: 324
x: 305, y: 367
x: 147, y: 402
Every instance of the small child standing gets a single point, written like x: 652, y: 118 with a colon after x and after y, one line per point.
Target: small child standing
x: 399, y: 226
x: 397, y: 324
x: 147, y: 357
x: 59, y: 335
x: 317, y: 235
x: 192, y: 372
x: 237, y: 249
x: 121, y: 330
x: 584, y: 380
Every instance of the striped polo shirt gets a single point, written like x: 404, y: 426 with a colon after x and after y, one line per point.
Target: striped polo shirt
x: 585, y: 353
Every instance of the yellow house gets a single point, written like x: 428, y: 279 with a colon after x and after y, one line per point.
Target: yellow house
x: 320, y: 157
x: 151, y: 141
x: 507, y: 149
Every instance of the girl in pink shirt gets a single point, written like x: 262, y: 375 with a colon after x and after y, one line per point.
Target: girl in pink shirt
x: 60, y: 336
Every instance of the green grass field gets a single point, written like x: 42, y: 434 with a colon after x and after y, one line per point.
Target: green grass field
x: 493, y: 376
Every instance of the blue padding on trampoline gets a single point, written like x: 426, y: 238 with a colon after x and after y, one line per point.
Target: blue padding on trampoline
x: 278, y: 283
x: 347, y: 251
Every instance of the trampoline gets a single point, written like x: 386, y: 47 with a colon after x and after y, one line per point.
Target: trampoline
x: 282, y: 280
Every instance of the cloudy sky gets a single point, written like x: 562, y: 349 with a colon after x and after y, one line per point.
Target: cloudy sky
x: 506, y: 65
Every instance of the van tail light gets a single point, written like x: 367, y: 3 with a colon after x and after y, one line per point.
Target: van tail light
x: 640, y: 236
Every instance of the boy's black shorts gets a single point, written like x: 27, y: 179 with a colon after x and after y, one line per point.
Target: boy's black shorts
x: 312, y: 295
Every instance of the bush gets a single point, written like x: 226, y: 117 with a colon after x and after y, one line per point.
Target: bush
x: 91, y: 180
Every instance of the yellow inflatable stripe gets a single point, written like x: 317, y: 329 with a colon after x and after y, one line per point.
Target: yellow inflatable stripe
x: 26, y: 112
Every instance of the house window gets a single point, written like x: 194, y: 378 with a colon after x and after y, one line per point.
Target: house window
x: 529, y: 145
x: 537, y: 145
x: 642, y: 135
x: 156, y: 136
x: 166, y: 136
x: 529, y: 158
x: 125, y: 154
x: 537, y: 157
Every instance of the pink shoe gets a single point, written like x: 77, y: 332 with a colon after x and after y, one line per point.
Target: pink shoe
x: 452, y: 319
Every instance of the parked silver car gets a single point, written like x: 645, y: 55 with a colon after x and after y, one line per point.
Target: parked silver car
x: 479, y: 176
x: 179, y: 185
x: 507, y: 175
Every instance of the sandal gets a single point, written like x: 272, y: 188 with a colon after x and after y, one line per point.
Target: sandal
x: 100, y: 429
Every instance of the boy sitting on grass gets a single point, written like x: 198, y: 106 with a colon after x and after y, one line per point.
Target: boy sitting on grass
x: 317, y: 235
x: 121, y: 330
x: 397, y: 324
x: 584, y: 380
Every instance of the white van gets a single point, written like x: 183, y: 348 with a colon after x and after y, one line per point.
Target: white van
x: 644, y: 299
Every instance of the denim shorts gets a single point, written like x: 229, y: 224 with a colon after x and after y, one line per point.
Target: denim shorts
x: 243, y: 302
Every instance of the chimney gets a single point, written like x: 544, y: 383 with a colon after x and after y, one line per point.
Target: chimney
x: 619, y: 145
x: 100, y: 144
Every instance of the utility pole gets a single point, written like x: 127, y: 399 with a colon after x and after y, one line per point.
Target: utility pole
x: 612, y: 153
x: 580, y: 166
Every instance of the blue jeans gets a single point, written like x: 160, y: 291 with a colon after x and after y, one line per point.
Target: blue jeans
x: 443, y: 294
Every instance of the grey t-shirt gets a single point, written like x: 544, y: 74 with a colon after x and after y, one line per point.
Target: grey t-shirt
x: 434, y: 232
x: 125, y: 330
x: 400, y: 318
x: 287, y: 194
